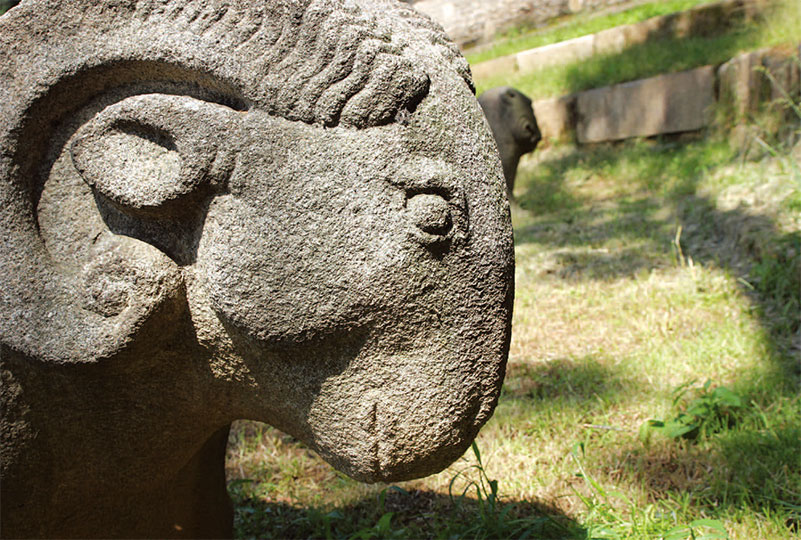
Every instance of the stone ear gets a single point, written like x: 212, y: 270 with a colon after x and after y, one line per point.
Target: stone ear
x: 153, y: 154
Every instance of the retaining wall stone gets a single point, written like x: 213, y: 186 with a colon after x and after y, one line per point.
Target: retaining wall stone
x: 555, y: 54
x: 556, y: 117
x: 668, y: 103
x: 705, y: 20
x: 744, y: 84
x: 504, y: 65
x: 469, y: 22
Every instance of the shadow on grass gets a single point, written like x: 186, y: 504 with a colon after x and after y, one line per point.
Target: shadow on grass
x: 546, y: 191
x: 396, y: 513
x: 755, y: 465
x: 748, y: 469
x: 577, y: 382
x: 606, y: 238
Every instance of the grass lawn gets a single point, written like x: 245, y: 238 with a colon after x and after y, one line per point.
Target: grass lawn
x: 780, y: 25
x: 653, y: 382
x: 572, y: 26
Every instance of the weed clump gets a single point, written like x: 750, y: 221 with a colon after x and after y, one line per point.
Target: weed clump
x: 705, y: 413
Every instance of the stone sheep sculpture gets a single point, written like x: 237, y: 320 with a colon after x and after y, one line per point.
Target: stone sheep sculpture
x: 287, y: 211
x: 513, y: 125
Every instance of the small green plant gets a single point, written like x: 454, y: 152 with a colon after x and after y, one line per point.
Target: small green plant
x: 700, y: 529
x: 495, y: 519
x: 486, y: 490
x: 612, y: 515
x: 383, y: 527
x: 711, y: 411
x: 605, y: 519
x: 324, y: 523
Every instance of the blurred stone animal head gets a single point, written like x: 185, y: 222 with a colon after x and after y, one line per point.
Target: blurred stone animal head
x: 283, y: 211
x: 513, y: 125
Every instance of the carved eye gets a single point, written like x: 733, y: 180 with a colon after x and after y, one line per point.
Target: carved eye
x: 434, y: 206
x: 430, y: 213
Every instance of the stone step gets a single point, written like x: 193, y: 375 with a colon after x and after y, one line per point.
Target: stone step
x: 705, y: 20
x: 674, y: 102
x: 669, y: 103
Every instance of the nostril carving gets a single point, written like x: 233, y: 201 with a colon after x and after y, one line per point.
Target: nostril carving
x: 430, y: 213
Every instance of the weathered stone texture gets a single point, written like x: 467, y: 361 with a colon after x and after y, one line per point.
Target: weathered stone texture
x: 666, y: 104
x: 212, y: 210
x: 785, y: 75
x: 745, y: 81
x: 740, y: 84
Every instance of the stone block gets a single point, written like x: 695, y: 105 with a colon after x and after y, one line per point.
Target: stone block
x: 637, y: 34
x: 784, y: 70
x: 505, y: 65
x: 657, y: 28
x: 556, y: 116
x: 561, y: 53
x: 613, y: 40
x: 710, y: 20
x: 669, y: 103
x: 741, y: 83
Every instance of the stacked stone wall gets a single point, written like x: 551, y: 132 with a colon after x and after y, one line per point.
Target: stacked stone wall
x: 676, y: 102
x: 470, y: 22
x: 702, y: 21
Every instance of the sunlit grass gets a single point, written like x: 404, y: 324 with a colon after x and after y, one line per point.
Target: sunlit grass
x: 523, y: 38
x: 636, y: 62
x: 779, y: 25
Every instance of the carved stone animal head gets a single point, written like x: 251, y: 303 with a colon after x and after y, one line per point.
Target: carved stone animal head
x: 513, y: 125
x: 284, y: 211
